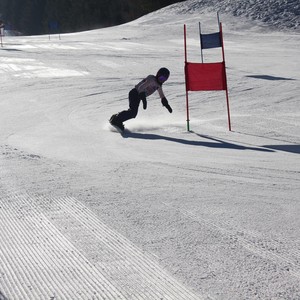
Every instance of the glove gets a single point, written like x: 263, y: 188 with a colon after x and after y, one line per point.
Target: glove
x: 144, y: 103
x: 143, y: 98
x: 165, y: 103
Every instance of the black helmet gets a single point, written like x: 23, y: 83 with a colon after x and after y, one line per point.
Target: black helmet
x: 162, y: 75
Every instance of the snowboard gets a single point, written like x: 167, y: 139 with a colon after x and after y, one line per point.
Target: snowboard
x: 116, y: 128
x: 119, y: 130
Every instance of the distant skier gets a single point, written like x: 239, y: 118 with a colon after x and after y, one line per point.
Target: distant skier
x: 141, y: 91
x: 2, y: 25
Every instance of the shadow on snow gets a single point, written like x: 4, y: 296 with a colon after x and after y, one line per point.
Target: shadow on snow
x: 2, y: 297
x: 215, y: 143
x: 268, y: 77
x: 285, y: 148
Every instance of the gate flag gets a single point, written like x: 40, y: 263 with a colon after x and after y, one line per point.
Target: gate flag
x: 212, y: 40
x: 53, y: 27
x: 205, y: 76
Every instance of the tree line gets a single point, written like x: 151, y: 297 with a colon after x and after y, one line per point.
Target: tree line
x: 31, y: 17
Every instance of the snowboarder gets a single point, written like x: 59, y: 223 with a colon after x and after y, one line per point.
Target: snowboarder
x: 140, y: 93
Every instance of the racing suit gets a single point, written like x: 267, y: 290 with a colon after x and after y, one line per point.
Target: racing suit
x: 141, y: 91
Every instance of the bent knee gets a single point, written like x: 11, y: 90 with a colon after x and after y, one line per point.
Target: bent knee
x: 133, y: 113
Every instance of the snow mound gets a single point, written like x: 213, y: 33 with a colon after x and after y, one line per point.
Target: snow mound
x: 279, y: 14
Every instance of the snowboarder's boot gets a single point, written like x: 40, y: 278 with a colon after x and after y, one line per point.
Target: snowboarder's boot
x: 116, y: 123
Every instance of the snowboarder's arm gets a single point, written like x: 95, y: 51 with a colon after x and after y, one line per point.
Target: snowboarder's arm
x: 143, y: 98
x: 161, y: 93
x: 165, y: 103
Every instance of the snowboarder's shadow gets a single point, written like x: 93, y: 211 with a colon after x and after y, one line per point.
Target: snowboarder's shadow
x: 213, y: 143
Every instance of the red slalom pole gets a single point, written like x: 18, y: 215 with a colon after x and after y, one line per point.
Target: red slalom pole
x: 227, y: 97
x: 186, y: 82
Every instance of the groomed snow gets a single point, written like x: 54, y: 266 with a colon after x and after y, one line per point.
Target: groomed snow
x: 161, y: 213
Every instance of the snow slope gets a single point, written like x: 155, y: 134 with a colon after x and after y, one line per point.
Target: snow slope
x: 161, y: 213
x: 277, y: 14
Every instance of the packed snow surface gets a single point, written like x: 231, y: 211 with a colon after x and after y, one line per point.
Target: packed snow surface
x: 160, y: 213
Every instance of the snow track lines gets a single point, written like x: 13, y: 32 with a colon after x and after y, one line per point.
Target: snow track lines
x: 267, y: 248
x: 39, y: 257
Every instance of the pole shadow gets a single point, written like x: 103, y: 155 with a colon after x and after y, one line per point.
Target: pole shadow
x: 213, y: 143
x: 285, y: 148
x: 288, y: 147
x: 10, y: 49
